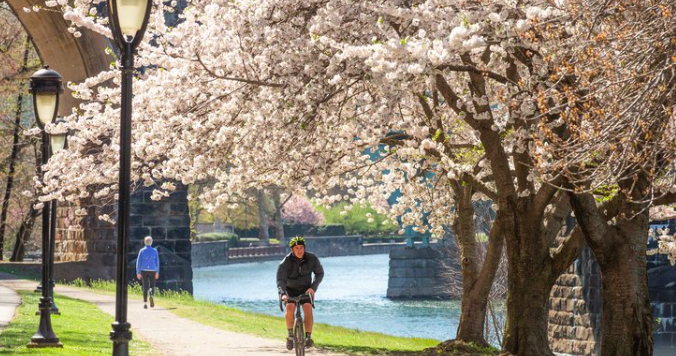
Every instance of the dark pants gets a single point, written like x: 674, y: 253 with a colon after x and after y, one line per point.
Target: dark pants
x: 148, y: 283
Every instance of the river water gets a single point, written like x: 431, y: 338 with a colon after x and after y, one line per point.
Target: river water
x: 352, y: 295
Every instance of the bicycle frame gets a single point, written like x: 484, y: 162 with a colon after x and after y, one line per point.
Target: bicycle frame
x: 298, y: 325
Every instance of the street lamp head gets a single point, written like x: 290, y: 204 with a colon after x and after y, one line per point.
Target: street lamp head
x: 128, y: 20
x: 46, y: 88
x: 58, y: 140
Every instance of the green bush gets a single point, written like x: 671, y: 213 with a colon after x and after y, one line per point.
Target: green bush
x: 232, y: 239
x: 357, y: 222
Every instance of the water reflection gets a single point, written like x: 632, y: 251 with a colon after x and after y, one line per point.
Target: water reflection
x: 352, y: 295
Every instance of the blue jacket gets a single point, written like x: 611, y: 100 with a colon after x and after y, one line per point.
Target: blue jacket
x: 148, y: 260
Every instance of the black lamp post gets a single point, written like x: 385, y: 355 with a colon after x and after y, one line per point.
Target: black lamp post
x: 128, y: 20
x: 57, y: 141
x: 46, y: 88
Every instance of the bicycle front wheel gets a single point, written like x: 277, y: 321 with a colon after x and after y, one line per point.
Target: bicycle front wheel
x: 299, y: 337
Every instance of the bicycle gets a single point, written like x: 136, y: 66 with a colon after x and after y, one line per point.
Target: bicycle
x: 298, y: 326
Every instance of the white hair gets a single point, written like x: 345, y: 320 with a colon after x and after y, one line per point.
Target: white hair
x: 148, y: 240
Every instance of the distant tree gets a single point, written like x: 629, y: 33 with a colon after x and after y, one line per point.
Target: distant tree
x: 299, y: 210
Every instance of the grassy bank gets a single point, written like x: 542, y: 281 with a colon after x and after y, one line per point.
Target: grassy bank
x: 326, y: 336
x: 225, y: 318
x: 83, y: 329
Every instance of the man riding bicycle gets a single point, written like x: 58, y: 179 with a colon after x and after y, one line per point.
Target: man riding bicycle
x: 294, y: 278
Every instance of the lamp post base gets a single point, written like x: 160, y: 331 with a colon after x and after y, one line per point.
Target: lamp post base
x: 53, y: 309
x: 44, y: 343
x: 45, y: 336
x: 120, y: 337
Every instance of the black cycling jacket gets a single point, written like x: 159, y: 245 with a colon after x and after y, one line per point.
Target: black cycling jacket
x: 296, y: 273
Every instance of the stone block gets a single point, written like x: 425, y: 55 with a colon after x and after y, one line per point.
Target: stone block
x: 415, y: 253
x: 178, y: 209
x: 576, y: 292
x: 582, y: 333
x: 179, y: 221
x: 169, y: 245
x: 182, y: 246
x: 158, y: 233
x: 149, y: 209
x: 178, y: 233
x: 569, y: 305
x: 179, y: 196
x: 152, y: 221
x: 135, y: 220
x: 582, y: 320
x: 138, y: 233
x: 401, y: 273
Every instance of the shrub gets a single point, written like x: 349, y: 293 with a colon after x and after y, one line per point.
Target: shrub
x: 218, y: 236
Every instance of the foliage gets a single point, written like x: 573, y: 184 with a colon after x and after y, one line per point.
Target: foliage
x: 299, y: 210
x: 217, y: 236
x: 360, y: 219
x: 82, y: 327
x: 18, y: 60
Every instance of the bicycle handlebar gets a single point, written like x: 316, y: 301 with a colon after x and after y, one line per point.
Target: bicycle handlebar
x: 297, y: 300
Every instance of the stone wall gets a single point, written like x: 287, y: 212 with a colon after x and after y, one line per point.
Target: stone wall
x: 328, y: 246
x: 417, y: 273
x: 86, y: 246
x: 168, y: 222
x: 575, y: 308
x: 204, y: 254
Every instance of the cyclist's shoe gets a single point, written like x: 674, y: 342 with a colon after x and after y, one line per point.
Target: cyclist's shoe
x: 289, y: 343
x: 309, y: 343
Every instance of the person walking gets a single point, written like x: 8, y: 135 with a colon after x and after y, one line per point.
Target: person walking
x: 148, y: 270
x: 294, y: 278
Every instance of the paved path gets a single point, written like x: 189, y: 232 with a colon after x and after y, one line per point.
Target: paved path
x: 170, y: 334
x: 9, y: 301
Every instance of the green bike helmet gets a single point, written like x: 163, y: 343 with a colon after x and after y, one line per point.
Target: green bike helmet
x: 298, y: 240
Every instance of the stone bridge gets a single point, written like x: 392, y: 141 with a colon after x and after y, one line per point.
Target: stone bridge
x: 89, y: 252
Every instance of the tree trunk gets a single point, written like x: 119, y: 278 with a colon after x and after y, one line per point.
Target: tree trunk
x: 472, y: 317
x: 473, y: 307
x: 626, y: 320
x: 263, y: 233
x: 279, y: 221
x: 526, y: 329
x: 532, y: 271
x: 13, y: 156
x: 477, y: 277
x: 620, y: 249
x: 23, y: 234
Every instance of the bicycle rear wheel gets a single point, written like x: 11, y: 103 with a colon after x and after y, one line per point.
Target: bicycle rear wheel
x: 299, y: 337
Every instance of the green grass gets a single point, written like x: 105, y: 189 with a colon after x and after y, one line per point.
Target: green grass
x: 82, y: 328
x: 326, y: 336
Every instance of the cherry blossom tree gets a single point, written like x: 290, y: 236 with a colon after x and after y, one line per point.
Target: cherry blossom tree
x: 299, y: 210
x: 443, y: 101
x: 616, y: 152
x: 294, y: 93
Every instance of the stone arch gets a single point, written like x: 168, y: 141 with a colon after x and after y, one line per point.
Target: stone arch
x: 75, y: 59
